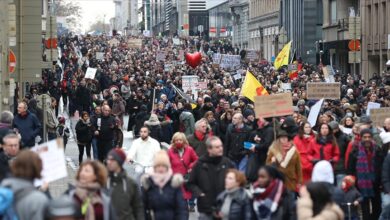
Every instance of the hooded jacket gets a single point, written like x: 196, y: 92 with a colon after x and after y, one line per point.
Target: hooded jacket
x: 33, y: 204
x: 187, y: 120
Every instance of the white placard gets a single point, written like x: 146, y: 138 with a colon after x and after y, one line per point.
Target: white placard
x: 227, y: 61
x: 53, y: 160
x: 372, y: 105
x: 314, y: 111
x: 286, y: 86
x: 190, y: 83
x: 237, y: 76
x: 99, y: 55
x: 176, y: 41
x: 90, y: 74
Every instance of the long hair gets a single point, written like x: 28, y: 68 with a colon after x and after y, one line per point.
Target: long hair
x: 330, y: 138
x: 301, y: 130
x: 99, y: 170
x: 320, y: 196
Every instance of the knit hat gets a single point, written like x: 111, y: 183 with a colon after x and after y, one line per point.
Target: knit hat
x: 365, y: 131
x: 248, y: 112
x: 161, y: 158
x: 207, y: 99
x: 323, y: 172
x: 349, y: 181
x: 118, y: 155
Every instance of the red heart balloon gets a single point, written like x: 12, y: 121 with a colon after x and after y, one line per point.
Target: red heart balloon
x: 193, y: 59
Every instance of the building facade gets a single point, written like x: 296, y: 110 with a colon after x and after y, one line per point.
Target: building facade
x: 126, y: 16
x: 220, y: 21
x: 264, y: 27
x: 240, y: 13
x: 375, y: 36
x: 302, y: 20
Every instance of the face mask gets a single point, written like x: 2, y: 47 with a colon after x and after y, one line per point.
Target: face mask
x: 179, y: 145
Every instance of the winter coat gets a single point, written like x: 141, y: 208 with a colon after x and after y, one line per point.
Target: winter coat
x: 342, y: 142
x: 198, y: 145
x: 386, y: 174
x: 84, y: 132
x: 5, y: 170
x: 155, y: 130
x: 351, y: 196
x: 187, y: 121
x: 83, y: 95
x: 234, y: 142
x: 305, y: 211
x: 33, y: 204
x: 29, y: 128
x: 125, y: 197
x: 118, y: 107
x: 208, y: 177
x: 302, y: 145
x: 166, y: 203
x: 107, y: 125
x: 330, y: 152
x: 292, y: 172
x: 182, y: 164
x: 51, y: 120
x: 240, y: 207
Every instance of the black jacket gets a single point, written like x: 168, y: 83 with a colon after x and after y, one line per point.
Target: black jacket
x: 106, y: 131
x: 84, y: 132
x: 4, y: 166
x: 386, y: 174
x: 234, y: 142
x: 125, y: 197
x: 342, y: 142
x: 240, y: 207
x: 208, y: 177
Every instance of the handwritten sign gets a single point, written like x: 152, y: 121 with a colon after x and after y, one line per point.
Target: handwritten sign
x: 160, y: 56
x: 134, y: 43
x: 190, y: 83
x: 53, y: 160
x: 323, y: 90
x: 90, y: 74
x: 379, y: 115
x: 267, y: 106
x: 201, y: 85
x: 372, y: 105
x: 113, y: 42
x: 252, y: 55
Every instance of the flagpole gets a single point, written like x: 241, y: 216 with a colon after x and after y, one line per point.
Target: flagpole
x: 153, y: 101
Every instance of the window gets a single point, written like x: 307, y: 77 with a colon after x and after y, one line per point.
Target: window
x: 333, y: 12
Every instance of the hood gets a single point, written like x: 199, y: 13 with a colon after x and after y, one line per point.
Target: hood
x: 323, y: 172
x: 16, y: 184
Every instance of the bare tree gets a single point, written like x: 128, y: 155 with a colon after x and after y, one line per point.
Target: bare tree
x: 70, y: 10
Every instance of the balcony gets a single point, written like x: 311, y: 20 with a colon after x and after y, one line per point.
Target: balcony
x: 236, y: 3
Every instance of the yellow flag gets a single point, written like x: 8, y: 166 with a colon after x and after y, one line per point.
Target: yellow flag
x: 283, y: 56
x: 252, y: 87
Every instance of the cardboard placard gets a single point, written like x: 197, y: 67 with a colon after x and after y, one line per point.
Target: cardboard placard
x: 286, y: 86
x: 202, y: 85
x: 372, y: 105
x: 176, y: 41
x: 379, y: 115
x: 267, y: 106
x: 323, y: 90
x: 134, y: 43
x: 90, y: 74
x: 113, y: 42
x: 237, y: 76
x: 190, y: 83
x: 252, y: 55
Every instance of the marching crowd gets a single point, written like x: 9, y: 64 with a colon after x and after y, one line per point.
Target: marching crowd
x: 195, y: 150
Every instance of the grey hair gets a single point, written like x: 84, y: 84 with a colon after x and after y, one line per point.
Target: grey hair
x: 11, y: 136
x: 6, y: 117
x: 197, y: 124
x: 210, y: 140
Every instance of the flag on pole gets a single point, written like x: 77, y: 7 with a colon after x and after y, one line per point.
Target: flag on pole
x: 283, y: 57
x: 252, y: 87
x: 185, y: 96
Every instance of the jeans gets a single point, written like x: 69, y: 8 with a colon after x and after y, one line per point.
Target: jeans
x: 241, y: 166
x: 385, y: 214
x: 94, y: 149
x: 51, y: 136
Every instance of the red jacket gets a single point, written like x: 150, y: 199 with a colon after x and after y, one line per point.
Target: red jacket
x: 349, y: 149
x: 330, y: 152
x: 183, y: 164
x: 303, y: 147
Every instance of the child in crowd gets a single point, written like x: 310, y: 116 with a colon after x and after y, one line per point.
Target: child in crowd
x: 62, y: 130
x: 352, y: 198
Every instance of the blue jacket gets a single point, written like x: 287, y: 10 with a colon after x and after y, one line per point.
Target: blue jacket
x: 29, y: 128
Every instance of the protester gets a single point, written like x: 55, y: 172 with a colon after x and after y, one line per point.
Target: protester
x: 105, y: 132
x: 234, y: 201
x: 271, y: 200
x: 302, y: 143
x: 187, y: 120
x: 324, y: 146
x: 183, y: 157
x: 63, y: 131
x: 62, y: 208
x: 203, y: 187
x: 197, y: 140
x: 51, y: 120
x: 89, y: 194
x: 94, y: 121
x: 284, y: 155
x: 315, y: 202
x: 124, y: 193
x: 27, y: 125
x: 6, y: 118
x: 11, y: 148
x: 29, y: 203
x: 352, y: 198
x: 163, y: 197
x: 154, y: 126
x: 84, y: 133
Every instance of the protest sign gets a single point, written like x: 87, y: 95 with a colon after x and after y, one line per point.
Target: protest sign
x: 267, y: 106
x: 134, y: 43
x: 252, y: 55
x: 190, y: 83
x: 160, y: 56
x: 90, y: 74
x: 230, y: 61
x: 99, y: 55
x: 286, y: 86
x: 201, y: 85
x: 113, y: 42
x: 323, y: 90
x: 372, y: 105
x: 237, y: 76
x: 314, y: 112
x: 167, y: 67
x: 176, y: 41
x: 292, y: 67
x: 53, y: 160
x: 217, y: 58
x: 379, y: 115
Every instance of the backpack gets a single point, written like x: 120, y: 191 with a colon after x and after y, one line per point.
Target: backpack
x: 8, y: 202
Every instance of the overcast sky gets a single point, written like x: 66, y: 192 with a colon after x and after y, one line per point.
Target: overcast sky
x: 95, y: 9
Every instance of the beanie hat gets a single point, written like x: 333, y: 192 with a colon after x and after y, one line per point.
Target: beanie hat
x: 161, y: 158
x: 118, y: 155
x: 349, y: 182
x: 365, y: 131
x: 248, y: 112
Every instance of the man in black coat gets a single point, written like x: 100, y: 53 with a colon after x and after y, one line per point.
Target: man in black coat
x: 105, y: 132
x: 207, y: 178
x: 84, y: 98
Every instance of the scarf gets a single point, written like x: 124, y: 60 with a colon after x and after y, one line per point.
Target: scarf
x: 267, y: 199
x: 161, y: 179
x: 365, y: 171
x: 227, y: 202
x: 88, y: 193
x: 284, y: 158
x: 200, y: 135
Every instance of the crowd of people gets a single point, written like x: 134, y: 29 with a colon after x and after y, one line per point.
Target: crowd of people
x: 203, y: 150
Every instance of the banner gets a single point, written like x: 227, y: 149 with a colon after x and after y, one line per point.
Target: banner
x: 323, y: 90
x: 379, y: 115
x: 252, y: 55
x: 134, y: 43
x: 201, y: 86
x: 267, y: 106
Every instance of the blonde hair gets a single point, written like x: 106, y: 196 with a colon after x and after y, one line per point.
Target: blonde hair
x: 181, y: 136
